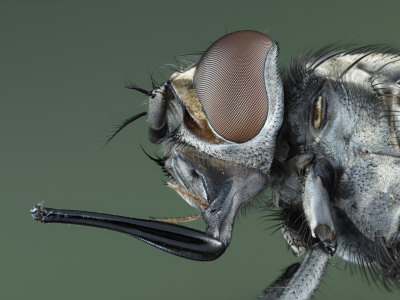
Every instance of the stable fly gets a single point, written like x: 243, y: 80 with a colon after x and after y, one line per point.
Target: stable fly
x: 323, y: 134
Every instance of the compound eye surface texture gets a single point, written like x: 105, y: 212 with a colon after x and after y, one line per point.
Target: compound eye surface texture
x: 229, y: 82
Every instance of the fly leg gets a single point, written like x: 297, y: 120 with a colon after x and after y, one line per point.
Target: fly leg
x: 318, y: 185
x: 299, y: 281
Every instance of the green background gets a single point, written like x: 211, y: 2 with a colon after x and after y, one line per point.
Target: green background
x: 62, y: 70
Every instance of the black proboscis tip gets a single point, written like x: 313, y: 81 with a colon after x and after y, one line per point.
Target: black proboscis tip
x: 175, y: 239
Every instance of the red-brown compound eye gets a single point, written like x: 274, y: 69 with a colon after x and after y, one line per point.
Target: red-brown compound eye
x: 229, y: 81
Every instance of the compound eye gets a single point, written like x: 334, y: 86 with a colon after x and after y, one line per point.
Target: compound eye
x: 229, y: 82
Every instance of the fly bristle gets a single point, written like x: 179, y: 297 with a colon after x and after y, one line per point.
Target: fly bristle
x: 160, y: 161
x: 124, y: 124
x: 133, y: 86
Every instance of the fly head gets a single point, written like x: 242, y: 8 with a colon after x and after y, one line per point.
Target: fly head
x: 217, y: 121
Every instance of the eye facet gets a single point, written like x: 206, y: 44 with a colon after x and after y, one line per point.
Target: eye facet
x: 229, y: 81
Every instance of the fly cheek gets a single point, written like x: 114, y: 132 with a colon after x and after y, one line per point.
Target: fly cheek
x: 230, y: 84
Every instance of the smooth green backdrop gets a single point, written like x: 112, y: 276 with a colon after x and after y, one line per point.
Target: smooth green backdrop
x: 63, y: 65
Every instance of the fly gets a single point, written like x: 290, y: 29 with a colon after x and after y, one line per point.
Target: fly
x: 322, y: 134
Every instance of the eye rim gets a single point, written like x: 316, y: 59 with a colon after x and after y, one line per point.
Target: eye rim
x: 256, y: 106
